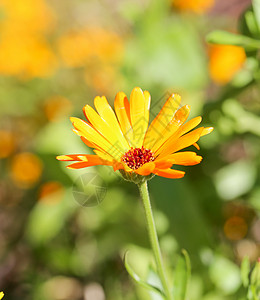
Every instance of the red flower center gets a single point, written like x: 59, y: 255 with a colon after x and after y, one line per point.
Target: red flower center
x: 136, y: 157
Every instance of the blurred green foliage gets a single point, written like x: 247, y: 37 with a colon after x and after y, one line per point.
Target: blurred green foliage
x: 53, y: 248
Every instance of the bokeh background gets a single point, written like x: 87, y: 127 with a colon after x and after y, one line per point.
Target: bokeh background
x: 55, y: 57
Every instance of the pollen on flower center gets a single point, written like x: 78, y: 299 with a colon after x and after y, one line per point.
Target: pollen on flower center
x: 136, y: 157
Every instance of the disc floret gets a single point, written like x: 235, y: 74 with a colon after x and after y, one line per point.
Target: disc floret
x: 136, y: 157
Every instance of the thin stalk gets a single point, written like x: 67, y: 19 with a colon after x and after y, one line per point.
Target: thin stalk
x: 154, y: 238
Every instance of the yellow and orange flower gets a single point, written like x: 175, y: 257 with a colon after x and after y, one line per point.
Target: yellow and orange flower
x: 225, y: 61
x: 124, y: 140
x: 198, y: 6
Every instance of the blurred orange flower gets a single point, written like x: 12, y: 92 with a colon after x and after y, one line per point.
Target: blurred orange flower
x: 57, y: 107
x: 7, y: 143
x: 235, y: 228
x: 26, y: 56
x: 26, y: 169
x: 198, y: 6
x: 51, y: 191
x: 81, y: 47
x: 24, y: 50
x: 28, y: 15
x: 225, y: 61
x: 96, y: 49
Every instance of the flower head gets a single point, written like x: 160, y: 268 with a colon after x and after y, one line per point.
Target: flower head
x: 123, y: 139
x: 1, y: 295
x: 225, y: 61
x: 199, y: 6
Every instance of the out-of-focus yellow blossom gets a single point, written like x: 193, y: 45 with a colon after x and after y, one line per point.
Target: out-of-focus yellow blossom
x: 82, y: 47
x: 1, y: 295
x: 27, y: 15
x: 198, y: 6
x: 7, y: 143
x: 26, y: 169
x: 24, y: 50
x: 57, y: 107
x: 26, y: 56
x: 97, y: 50
x: 225, y: 61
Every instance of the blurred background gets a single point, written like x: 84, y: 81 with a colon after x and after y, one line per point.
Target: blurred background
x: 55, y: 57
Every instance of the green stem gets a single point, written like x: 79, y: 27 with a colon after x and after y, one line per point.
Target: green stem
x: 154, y: 238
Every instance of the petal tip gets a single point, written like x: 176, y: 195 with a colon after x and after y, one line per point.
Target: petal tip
x: 62, y: 157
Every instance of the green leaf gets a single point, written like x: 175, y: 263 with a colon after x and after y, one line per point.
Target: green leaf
x: 181, y: 276
x: 256, y: 8
x: 228, y: 38
x: 245, y: 269
x: 251, y: 23
x: 141, y: 282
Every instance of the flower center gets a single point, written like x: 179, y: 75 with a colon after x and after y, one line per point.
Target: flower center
x: 136, y: 157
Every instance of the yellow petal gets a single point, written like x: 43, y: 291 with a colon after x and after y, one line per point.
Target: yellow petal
x: 182, y: 129
x: 94, y: 137
x: 154, y: 132
x: 106, y: 112
x: 139, y: 113
x: 63, y: 158
x: 113, y: 134
x: 103, y: 155
x: 207, y: 130
x: 174, y: 125
x: 190, y: 125
x: 122, y: 108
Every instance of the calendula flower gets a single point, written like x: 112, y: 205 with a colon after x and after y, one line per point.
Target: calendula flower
x: 225, y: 61
x: 199, y: 6
x: 1, y: 295
x: 123, y: 139
x: 26, y: 169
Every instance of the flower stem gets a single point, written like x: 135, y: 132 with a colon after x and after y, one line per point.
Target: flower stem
x: 154, y: 238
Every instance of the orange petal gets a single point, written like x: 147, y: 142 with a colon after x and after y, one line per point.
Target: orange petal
x: 92, y: 160
x: 160, y: 122
x: 185, y: 158
x: 184, y: 141
x: 88, y: 143
x: 196, y: 146
x: 146, y: 169
x: 78, y: 165
x: 118, y: 166
x: 139, y: 113
x: 163, y: 163
x: 169, y: 173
